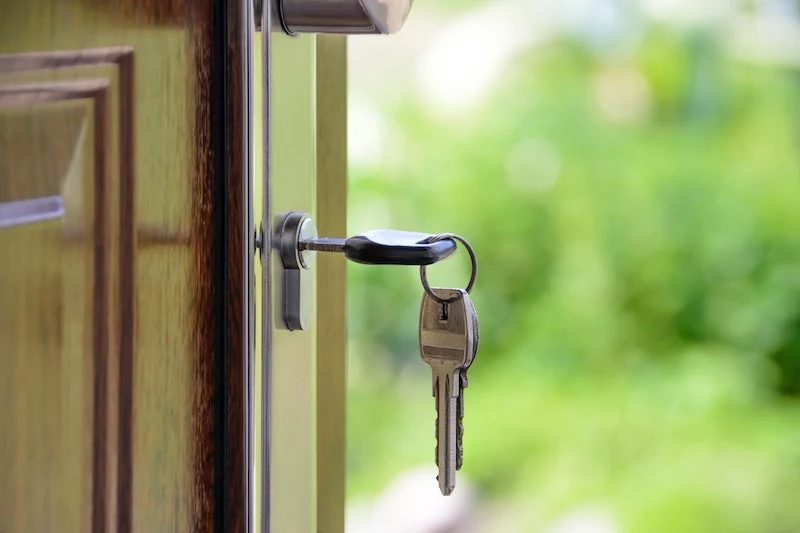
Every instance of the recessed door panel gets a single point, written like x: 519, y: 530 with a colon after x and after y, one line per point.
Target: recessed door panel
x: 52, y: 314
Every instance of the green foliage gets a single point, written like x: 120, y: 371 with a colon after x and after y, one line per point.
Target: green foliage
x: 639, y: 290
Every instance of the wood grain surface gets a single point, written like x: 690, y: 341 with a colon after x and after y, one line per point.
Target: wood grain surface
x: 331, y: 281
x: 122, y: 396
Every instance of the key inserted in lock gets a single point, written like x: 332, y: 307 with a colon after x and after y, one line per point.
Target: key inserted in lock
x: 386, y: 247
x: 296, y: 240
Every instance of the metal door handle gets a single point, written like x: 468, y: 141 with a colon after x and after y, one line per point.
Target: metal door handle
x: 336, y: 16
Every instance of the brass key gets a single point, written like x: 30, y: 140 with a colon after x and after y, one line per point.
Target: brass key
x: 448, y: 341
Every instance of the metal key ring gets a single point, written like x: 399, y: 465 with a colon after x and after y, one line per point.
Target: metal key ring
x: 423, y: 275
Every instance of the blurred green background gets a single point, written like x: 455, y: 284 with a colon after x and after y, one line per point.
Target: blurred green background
x: 629, y: 175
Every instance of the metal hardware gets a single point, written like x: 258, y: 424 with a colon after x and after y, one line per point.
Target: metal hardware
x: 386, y: 247
x: 246, y: 36
x: 423, y: 274
x: 296, y: 242
x: 261, y: 18
x: 335, y: 16
x: 378, y: 247
x: 297, y: 294
x: 323, y: 245
x: 448, y: 342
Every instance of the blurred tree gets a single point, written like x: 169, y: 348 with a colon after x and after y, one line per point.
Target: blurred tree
x: 636, y: 216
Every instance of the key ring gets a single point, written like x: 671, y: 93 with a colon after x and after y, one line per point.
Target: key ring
x: 423, y: 275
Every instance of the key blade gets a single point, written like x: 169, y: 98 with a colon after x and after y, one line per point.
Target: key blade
x: 446, y: 434
x: 447, y: 342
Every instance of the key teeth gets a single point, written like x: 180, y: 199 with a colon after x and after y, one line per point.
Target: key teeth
x: 459, y: 444
x: 436, y: 451
x: 460, y: 424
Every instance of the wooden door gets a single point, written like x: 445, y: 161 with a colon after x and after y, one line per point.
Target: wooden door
x: 125, y: 273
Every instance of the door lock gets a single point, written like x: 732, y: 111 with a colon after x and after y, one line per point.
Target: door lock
x: 296, y: 242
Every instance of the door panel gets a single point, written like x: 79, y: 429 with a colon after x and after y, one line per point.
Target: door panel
x: 123, y: 262
x: 59, y: 315
x: 48, y: 312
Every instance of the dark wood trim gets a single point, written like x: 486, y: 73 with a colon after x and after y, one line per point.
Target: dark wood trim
x: 238, y: 288
x: 127, y: 286
x: 207, y: 272
x: 121, y: 56
x: 222, y: 177
x: 101, y: 356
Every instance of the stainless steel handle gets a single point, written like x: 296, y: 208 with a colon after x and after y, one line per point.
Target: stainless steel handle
x: 336, y: 16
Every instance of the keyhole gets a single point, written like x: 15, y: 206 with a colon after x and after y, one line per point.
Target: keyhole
x: 445, y: 312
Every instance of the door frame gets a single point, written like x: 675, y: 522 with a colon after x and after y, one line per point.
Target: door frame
x: 301, y: 421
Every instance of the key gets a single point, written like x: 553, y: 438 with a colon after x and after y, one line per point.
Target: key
x: 385, y: 247
x: 464, y: 384
x: 447, y: 344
